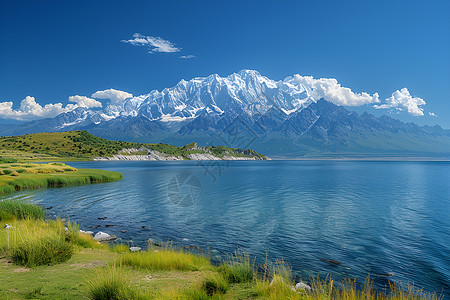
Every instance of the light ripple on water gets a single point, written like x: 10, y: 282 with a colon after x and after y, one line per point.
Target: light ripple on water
x: 372, y: 217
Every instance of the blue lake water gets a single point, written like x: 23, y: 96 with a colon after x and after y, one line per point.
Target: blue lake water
x: 371, y: 217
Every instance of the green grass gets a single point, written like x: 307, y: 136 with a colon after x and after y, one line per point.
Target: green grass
x: 112, y: 283
x: 166, y: 259
x: 51, y: 175
x: 10, y: 209
x: 215, y: 284
x: 81, y: 145
x: 238, y: 268
x: 42, y: 259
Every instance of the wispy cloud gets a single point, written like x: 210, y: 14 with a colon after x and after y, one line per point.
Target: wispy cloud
x: 153, y: 44
x: 402, y: 100
x: 432, y: 114
x: 187, y: 56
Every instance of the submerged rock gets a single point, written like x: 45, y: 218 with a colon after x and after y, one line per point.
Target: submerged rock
x: 104, y: 237
x: 331, y: 261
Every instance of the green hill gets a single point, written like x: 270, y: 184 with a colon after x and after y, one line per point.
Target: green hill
x: 81, y: 145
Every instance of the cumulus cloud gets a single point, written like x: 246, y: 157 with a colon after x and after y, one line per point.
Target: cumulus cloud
x: 29, y: 109
x: 402, y: 100
x: 83, y: 101
x: 187, y: 56
x: 331, y: 90
x: 153, y: 44
x: 115, y: 96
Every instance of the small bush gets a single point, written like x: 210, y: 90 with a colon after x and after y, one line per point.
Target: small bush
x: 7, y: 171
x: 21, y: 170
x: 47, y: 250
x: 215, y: 284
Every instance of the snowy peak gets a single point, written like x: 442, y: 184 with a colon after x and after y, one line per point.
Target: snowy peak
x: 246, y: 90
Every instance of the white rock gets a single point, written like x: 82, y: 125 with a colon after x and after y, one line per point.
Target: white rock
x: 185, y: 240
x: 302, y: 286
x: 88, y: 232
x: 135, y: 249
x: 103, y: 236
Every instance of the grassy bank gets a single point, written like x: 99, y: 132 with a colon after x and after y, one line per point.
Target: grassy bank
x: 42, y: 259
x: 15, y: 176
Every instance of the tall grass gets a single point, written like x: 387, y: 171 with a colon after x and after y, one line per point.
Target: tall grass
x: 278, y: 284
x: 237, y: 268
x: 166, y: 258
x: 36, y: 181
x: 34, y: 243
x: 215, y: 284
x: 112, y: 283
x: 20, y: 210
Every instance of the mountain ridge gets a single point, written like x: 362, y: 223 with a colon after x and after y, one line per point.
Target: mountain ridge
x: 248, y: 106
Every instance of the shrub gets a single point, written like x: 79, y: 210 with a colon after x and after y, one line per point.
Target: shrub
x: 21, y: 170
x: 7, y: 171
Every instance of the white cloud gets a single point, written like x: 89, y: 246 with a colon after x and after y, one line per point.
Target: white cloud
x: 153, y: 44
x: 114, y: 95
x: 402, y: 100
x: 29, y: 109
x: 187, y: 56
x: 331, y: 90
x: 432, y: 114
x: 83, y: 101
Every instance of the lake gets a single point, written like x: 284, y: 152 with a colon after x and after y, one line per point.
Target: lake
x: 389, y: 219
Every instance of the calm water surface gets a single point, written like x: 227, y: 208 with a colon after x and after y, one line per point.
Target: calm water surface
x: 371, y: 217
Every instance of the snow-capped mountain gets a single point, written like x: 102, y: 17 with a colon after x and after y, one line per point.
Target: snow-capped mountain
x: 243, y: 110
x: 246, y: 91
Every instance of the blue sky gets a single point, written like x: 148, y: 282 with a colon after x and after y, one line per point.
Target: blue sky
x: 52, y: 50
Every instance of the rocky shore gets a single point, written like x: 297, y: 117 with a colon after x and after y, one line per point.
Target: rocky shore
x: 130, y: 155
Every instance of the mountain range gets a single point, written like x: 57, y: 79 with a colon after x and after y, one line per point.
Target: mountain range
x: 246, y: 109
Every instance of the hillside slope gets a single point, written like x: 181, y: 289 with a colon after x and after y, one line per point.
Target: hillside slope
x: 83, y: 145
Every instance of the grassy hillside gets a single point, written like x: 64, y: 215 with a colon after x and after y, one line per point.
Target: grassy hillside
x: 80, y: 145
x: 51, y: 259
x: 16, y: 176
